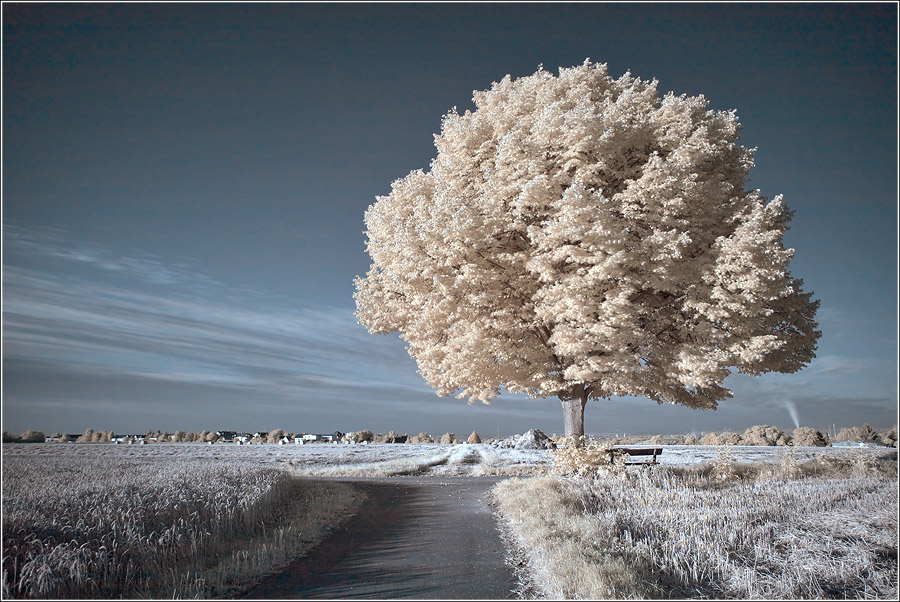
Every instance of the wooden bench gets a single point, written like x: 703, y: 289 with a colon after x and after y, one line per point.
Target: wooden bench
x: 653, y: 452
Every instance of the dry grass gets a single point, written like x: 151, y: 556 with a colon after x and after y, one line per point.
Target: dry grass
x: 721, y: 530
x: 77, y: 527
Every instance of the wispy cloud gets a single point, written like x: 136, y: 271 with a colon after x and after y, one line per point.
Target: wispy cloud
x: 159, y: 322
x: 55, y: 244
x: 86, y: 329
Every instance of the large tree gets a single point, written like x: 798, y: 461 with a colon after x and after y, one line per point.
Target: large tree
x: 578, y: 236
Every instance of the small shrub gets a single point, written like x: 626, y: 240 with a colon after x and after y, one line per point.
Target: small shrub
x: 709, y: 439
x: 863, y: 465
x: 393, y: 437
x: 421, y: 438
x: 723, y: 465
x: 92, y: 436
x: 788, y: 465
x: 448, y: 438
x: 763, y: 434
x: 10, y: 437
x: 276, y: 435
x: 729, y: 438
x: 858, y: 433
x: 32, y: 437
x: 358, y: 437
x: 473, y: 438
x: 890, y: 437
x: 577, y: 457
x: 690, y: 440
x: 808, y: 437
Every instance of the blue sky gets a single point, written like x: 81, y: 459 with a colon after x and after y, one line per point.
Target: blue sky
x: 184, y: 188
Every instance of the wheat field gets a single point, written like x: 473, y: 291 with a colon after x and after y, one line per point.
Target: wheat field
x: 113, y: 527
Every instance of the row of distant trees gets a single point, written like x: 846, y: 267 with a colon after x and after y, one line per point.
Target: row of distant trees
x: 755, y: 435
x: 763, y: 434
x: 100, y: 436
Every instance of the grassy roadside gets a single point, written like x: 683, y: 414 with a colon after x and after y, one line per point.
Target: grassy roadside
x: 714, y: 531
x: 313, y: 509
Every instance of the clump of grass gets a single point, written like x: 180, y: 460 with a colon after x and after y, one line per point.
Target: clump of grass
x: 588, y: 458
x: 793, y: 532
x: 113, y: 528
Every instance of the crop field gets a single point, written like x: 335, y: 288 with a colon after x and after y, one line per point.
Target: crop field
x: 789, y: 529
x: 95, y: 521
x: 195, y: 520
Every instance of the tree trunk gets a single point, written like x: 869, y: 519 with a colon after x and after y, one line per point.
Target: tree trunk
x: 573, y: 410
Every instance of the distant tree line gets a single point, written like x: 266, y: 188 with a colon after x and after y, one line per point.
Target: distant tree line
x: 764, y: 435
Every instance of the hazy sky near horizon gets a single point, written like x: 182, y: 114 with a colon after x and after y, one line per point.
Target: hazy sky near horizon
x: 184, y: 188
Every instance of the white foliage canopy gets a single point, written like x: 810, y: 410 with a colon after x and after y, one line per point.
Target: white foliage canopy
x: 579, y: 233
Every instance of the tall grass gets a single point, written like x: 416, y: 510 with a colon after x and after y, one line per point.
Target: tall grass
x: 76, y: 527
x: 784, y: 531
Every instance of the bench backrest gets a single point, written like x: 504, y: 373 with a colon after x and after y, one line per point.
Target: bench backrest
x: 640, y: 451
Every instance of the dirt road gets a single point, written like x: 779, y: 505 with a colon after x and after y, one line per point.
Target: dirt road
x: 413, y: 538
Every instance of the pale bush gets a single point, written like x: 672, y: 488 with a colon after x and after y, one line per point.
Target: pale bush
x: 890, y: 437
x: 786, y: 466
x: 690, y: 440
x: 656, y: 440
x: 276, y: 435
x: 805, y: 436
x: 763, y: 434
x: 421, y: 438
x: 858, y: 433
x: 393, y: 437
x: 358, y: 437
x: 709, y: 439
x: 729, y: 438
x: 92, y: 436
x: 561, y: 441
x: 577, y: 457
x: 32, y: 437
x: 723, y: 466
x: 448, y: 438
x: 473, y: 438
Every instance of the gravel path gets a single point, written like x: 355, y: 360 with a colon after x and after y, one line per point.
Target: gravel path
x: 413, y: 538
